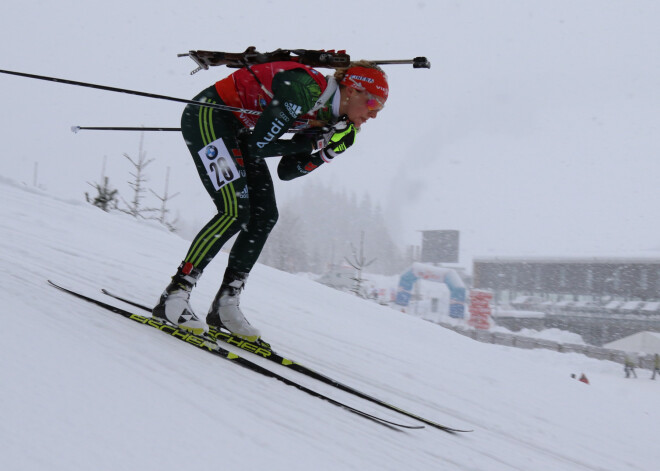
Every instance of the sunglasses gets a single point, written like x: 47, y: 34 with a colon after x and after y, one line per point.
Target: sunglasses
x: 373, y: 102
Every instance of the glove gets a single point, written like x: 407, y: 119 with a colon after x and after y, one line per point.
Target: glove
x: 339, y: 142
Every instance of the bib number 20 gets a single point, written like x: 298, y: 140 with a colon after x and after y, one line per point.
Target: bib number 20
x: 219, y: 165
x: 222, y: 171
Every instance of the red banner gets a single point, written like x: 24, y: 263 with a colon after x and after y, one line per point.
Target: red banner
x: 480, y: 310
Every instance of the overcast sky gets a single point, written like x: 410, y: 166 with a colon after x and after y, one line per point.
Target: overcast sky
x: 536, y: 131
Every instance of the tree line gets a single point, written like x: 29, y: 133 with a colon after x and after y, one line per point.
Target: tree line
x: 109, y: 199
x: 323, y: 226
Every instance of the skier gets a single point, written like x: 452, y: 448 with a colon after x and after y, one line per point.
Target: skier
x: 229, y: 160
x: 629, y: 367
x: 656, y: 366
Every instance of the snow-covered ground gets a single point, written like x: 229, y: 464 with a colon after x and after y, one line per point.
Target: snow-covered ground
x: 85, y: 389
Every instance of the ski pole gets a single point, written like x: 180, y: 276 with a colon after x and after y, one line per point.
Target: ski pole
x: 131, y: 92
x: 299, y: 122
x: 75, y: 129
x: 138, y: 93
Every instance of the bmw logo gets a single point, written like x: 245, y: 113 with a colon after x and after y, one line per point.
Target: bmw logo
x: 211, y: 152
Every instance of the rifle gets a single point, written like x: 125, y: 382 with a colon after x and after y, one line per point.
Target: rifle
x: 313, y: 58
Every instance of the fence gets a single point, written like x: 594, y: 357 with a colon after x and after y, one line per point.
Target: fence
x: 518, y: 341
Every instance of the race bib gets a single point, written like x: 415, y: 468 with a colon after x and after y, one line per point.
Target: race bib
x: 218, y: 163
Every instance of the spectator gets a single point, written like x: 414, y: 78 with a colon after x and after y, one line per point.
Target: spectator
x: 629, y: 367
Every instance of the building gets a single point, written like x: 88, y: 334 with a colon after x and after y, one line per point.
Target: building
x: 594, y: 280
x: 601, y: 299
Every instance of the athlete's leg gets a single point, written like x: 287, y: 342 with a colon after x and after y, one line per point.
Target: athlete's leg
x: 211, y: 139
x: 263, y: 217
x: 222, y: 173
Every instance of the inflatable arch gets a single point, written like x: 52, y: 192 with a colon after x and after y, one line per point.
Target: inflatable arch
x: 442, y: 275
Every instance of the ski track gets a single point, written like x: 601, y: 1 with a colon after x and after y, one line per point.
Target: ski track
x: 80, y: 382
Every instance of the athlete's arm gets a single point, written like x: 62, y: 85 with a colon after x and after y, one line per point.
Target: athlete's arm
x: 294, y: 94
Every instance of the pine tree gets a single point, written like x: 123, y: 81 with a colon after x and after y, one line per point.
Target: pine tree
x: 106, y: 197
x: 163, y: 211
x: 359, y: 262
x: 134, y: 208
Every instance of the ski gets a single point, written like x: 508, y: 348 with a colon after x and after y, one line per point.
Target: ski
x: 263, y: 349
x: 208, y: 345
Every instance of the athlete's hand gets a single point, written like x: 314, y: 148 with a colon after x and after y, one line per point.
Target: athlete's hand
x: 339, y: 142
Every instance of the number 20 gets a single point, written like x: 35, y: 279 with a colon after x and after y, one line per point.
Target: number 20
x: 221, y: 167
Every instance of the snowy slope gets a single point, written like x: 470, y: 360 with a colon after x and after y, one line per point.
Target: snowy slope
x: 85, y: 389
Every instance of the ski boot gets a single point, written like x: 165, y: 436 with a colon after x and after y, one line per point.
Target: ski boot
x: 173, y: 305
x: 224, y: 311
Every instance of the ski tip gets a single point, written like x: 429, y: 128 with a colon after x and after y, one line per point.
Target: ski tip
x: 411, y: 427
x: 455, y: 430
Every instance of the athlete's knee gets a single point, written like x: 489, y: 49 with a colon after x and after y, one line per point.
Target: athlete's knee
x: 270, y: 219
x: 262, y: 222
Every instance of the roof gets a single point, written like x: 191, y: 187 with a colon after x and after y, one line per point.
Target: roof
x: 643, y: 342
x: 641, y: 257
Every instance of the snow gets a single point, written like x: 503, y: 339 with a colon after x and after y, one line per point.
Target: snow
x: 83, y: 388
x: 499, y: 312
x: 641, y: 342
x: 651, y: 307
x: 553, y: 334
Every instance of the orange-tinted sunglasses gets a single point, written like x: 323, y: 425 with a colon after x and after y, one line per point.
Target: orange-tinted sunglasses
x: 373, y: 102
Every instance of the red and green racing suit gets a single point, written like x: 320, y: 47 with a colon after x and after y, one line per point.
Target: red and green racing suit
x: 229, y: 159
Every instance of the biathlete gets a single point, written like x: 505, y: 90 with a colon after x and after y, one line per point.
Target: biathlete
x: 229, y: 159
